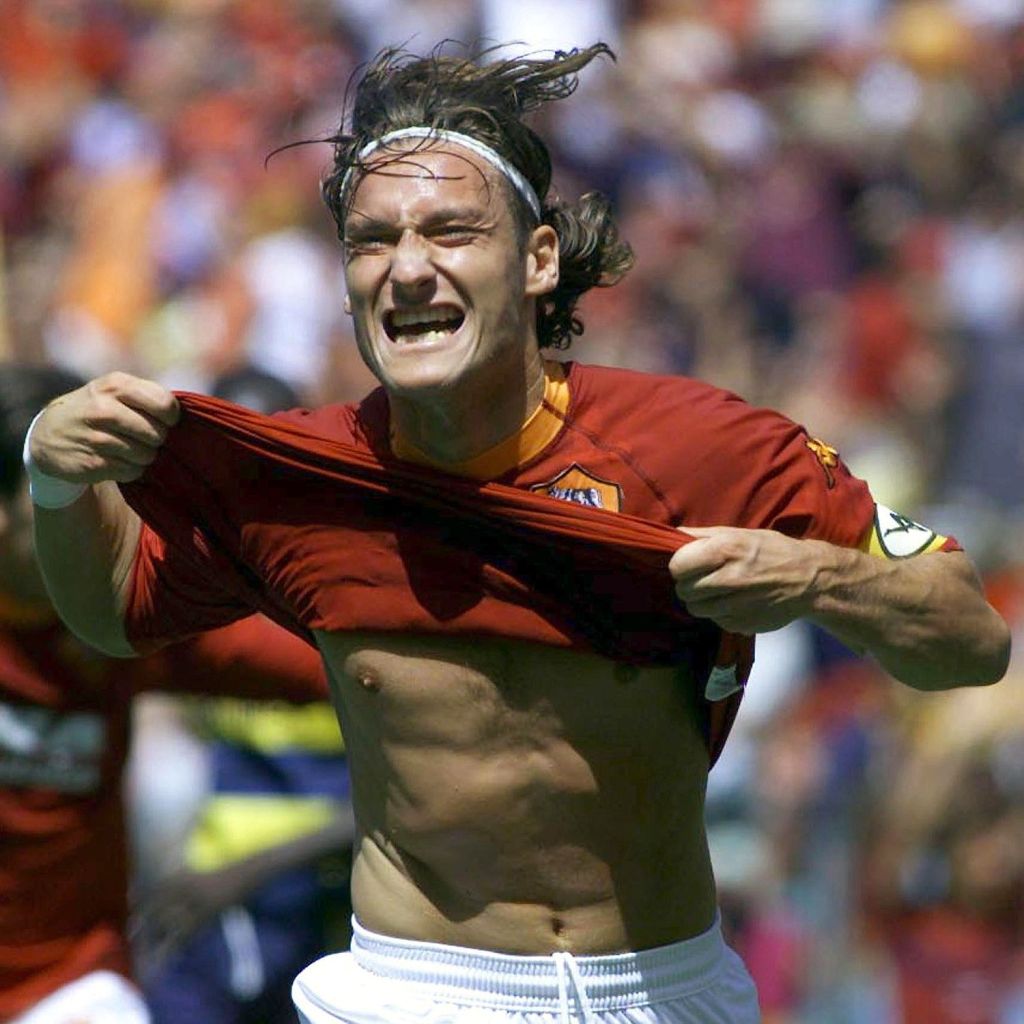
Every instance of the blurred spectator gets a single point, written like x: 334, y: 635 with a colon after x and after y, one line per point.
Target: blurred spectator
x: 944, y: 863
x: 537, y: 25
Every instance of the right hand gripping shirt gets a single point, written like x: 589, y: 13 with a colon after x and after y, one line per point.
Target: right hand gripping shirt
x: 310, y: 518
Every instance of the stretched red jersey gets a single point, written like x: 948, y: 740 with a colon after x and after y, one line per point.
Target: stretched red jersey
x: 559, y: 535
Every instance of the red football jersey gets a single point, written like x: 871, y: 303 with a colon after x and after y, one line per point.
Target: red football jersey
x: 561, y: 534
x: 64, y: 722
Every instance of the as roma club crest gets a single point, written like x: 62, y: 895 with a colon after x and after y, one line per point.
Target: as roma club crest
x: 582, y: 488
x: 827, y: 457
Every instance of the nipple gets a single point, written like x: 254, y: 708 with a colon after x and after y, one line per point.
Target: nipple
x: 368, y: 680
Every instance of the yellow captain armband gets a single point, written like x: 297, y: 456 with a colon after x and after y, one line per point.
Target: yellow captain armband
x: 895, y: 536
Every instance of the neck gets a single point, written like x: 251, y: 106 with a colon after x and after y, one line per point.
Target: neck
x: 461, y: 424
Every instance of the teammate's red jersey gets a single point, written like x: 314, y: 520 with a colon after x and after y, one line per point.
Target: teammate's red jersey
x: 560, y: 534
x: 64, y: 721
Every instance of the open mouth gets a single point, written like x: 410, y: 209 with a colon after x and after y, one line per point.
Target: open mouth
x: 430, y: 323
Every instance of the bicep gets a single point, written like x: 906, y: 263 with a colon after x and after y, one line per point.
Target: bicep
x: 85, y: 552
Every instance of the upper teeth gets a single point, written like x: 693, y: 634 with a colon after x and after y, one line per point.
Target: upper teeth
x: 424, y: 316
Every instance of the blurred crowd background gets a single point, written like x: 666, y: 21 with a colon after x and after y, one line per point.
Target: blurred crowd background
x: 825, y: 198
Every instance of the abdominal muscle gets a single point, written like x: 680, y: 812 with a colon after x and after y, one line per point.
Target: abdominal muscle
x: 520, y: 798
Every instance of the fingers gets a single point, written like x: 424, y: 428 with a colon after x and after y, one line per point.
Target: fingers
x: 701, y: 571
x: 696, y: 560
x: 134, y: 439
x: 153, y: 400
x: 747, y: 581
x: 139, y: 409
x: 723, y: 611
x: 110, y: 429
x: 120, y: 472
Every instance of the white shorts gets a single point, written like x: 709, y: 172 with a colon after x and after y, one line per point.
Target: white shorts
x: 101, y: 997
x: 699, y: 981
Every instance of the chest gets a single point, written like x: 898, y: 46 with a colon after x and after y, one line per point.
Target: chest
x: 501, y: 696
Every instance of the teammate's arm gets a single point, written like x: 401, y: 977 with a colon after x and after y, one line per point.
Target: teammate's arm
x: 925, y: 618
x: 188, y: 899
x: 106, y: 432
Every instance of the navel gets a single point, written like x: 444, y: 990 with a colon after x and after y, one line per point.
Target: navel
x: 557, y: 926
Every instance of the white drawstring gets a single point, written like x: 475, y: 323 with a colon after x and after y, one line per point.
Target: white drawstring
x: 568, y: 970
x: 563, y: 988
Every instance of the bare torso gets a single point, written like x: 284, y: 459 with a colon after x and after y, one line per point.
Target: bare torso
x: 522, y: 798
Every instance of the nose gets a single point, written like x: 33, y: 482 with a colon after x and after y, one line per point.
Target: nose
x: 412, y: 273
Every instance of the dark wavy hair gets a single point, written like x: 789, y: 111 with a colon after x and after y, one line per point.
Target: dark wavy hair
x: 487, y: 99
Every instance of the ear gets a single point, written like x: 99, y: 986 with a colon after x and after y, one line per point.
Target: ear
x: 542, y: 261
x: 347, y: 305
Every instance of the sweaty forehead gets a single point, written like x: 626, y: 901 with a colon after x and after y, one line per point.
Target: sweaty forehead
x: 416, y: 175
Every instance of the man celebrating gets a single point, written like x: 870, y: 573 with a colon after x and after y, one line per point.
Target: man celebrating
x: 530, y: 674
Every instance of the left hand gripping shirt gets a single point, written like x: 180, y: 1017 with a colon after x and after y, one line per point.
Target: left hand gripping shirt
x: 310, y: 518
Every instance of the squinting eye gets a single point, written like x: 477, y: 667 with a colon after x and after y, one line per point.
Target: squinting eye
x: 453, y: 233
x: 366, y: 244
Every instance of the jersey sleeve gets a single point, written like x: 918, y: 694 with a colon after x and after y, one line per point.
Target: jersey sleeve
x: 804, y: 489
x: 189, y: 573
x: 173, y: 595
x: 252, y: 658
x: 761, y: 470
x: 755, y: 468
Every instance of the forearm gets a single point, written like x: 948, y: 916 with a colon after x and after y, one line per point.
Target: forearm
x: 925, y: 619
x: 85, y: 551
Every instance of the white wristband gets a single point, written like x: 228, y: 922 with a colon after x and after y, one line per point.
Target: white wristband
x: 48, y: 491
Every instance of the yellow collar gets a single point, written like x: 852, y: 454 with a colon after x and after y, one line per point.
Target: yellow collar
x: 527, y: 442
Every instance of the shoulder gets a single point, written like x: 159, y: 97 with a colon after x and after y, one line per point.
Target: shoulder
x: 672, y: 412
x: 717, y: 459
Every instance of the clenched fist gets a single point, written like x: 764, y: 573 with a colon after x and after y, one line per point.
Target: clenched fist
x: 749, y: 581
x: 110, y: 429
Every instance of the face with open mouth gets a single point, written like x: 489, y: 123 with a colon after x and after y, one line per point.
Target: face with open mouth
x: 440, y: 285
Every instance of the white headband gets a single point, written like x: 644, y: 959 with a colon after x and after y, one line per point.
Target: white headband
x: 521, y: 185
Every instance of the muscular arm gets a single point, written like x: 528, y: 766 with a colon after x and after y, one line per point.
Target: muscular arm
x: 107, y: 431
x: 925, y: 619
x: 85, y: 552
